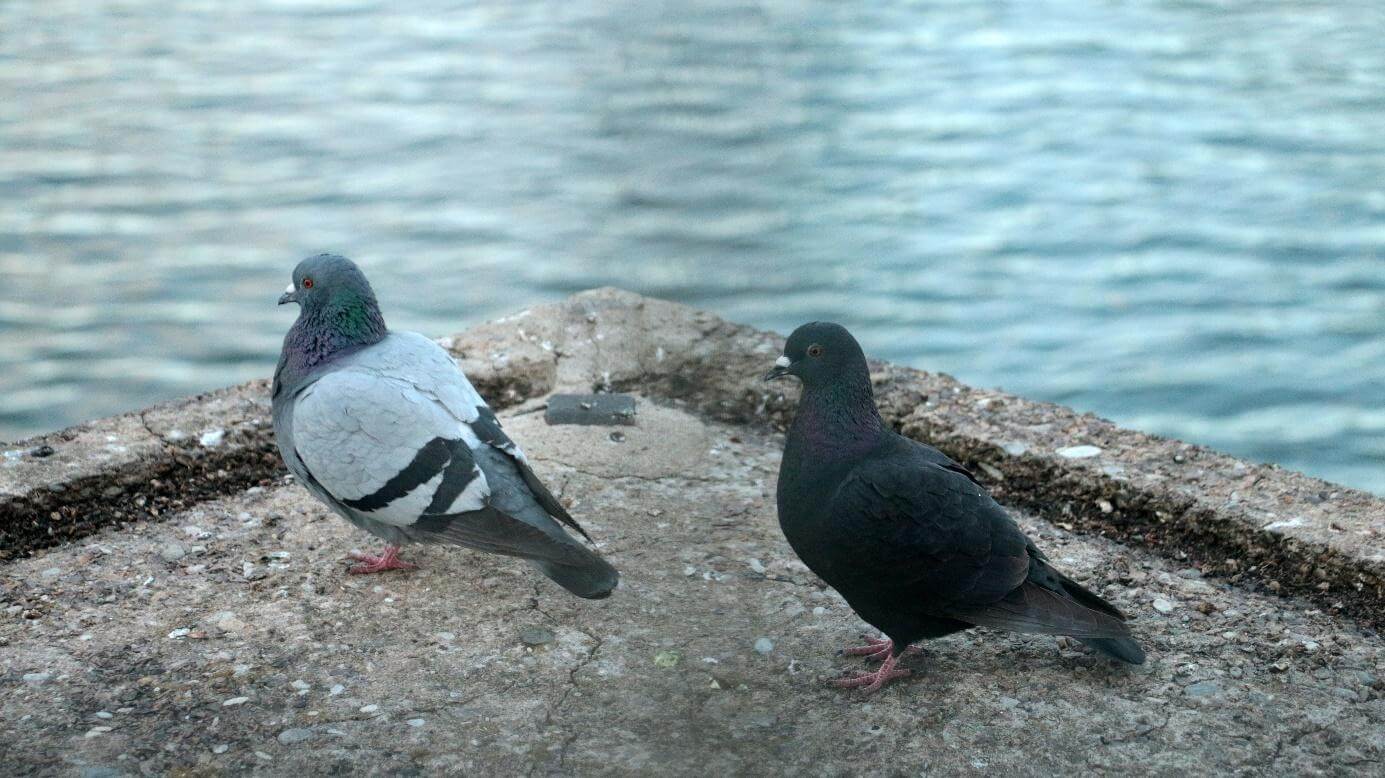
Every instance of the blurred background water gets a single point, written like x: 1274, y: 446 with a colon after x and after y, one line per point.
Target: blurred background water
x: 1169, y: 213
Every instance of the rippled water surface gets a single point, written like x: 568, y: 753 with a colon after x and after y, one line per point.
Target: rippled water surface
x: 1169, y: 213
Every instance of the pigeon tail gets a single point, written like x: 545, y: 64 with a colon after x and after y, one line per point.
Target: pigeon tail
x: 593, y: 580
x: 1037, y: 610
x: 1123, y: 649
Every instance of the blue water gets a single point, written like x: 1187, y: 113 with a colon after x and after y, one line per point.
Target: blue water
x: 1169, y: 213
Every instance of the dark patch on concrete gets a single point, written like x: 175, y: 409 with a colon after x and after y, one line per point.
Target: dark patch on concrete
x: 143, y: 490
x: 598, y: 410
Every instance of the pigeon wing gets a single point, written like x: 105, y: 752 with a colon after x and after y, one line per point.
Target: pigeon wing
x: 384, y: 451
x: 928, y: 528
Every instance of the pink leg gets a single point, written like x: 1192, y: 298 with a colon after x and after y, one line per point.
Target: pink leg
x: 387, y: 560
x: 872, y: 682
x: 876, y: 649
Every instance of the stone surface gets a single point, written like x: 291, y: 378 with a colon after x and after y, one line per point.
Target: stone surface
x: 159, y: 653
x: 326, y: 671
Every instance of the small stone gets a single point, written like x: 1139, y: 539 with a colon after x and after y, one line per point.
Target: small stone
x: 446, y: 637
x: 221, y: 748
x: 37, y: 678
x: 301, y: 685
x: 293, y: 736
x: 94, y: 731
x: 1163, y: 606
x: 534, y: 636
x: 235, y: 701
x: 172, y: 552
x: 371, y: 708
x: 335, y: 690
x: 757, y: 566
x: 764, y: 646
x: 104, y: 714
x: 667, y: 659
x: 1078, y: 452
x: 1190, y: 573
x: 212, y: 438
x: 181, y: 632
x: 1202, y: 689
x: 415, y: 722
x: 52, y: 572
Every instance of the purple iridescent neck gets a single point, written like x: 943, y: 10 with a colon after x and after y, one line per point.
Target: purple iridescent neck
x: 325, y: 333
x: 839, y: 419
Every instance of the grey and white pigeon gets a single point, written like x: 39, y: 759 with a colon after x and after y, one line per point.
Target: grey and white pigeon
x: 907, y: 536
x: 385, y: 428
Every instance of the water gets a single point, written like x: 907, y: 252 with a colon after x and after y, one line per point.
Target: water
x: 1169, y: 213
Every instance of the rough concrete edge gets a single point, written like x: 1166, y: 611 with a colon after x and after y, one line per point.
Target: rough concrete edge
x: 1253, y: 523
x: 136, y: 466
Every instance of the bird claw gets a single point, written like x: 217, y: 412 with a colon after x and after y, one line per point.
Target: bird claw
x: 872, y: 682
x: 387, y: 560
x: 877, y: 649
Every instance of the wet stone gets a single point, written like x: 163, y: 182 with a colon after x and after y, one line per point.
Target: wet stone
x: 534, y: 636
x: 601, y: 410
x: 1203, y: 689
x: 293, y: 736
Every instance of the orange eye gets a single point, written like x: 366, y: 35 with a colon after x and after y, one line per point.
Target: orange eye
x: 815, y: 350
x: 307, y: 283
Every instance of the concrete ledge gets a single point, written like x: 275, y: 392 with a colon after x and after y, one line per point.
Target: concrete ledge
x: 65, y: 485
x: 1250, y: 522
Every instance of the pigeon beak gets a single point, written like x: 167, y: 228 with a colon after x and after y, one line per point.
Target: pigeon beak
x: 290, y: 295
x: 781, y: 369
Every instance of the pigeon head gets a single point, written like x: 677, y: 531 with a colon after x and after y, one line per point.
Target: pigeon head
x: 821, y: 353
x: 328, y: 280
x: 337, y: 309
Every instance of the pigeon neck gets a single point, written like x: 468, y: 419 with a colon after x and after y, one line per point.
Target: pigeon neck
x: 319, y: 335
x: 839, y: 418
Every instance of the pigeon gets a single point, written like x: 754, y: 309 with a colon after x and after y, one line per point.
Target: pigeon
x: 384, y: 428
x: 907, y: 536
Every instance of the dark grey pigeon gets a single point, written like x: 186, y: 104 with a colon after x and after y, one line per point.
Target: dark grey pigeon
x: 384, y: 428
x: 910, y: 539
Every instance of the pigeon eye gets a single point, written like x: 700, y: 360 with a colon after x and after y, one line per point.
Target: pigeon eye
x: 307, y: 283
x: 815, y: 350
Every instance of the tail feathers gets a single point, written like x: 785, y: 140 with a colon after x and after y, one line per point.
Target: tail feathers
x: 1124, y: 649
x: 1035, y: 609
x: 593, y: 580
x: 1088, y: 598
x: 556, y: 554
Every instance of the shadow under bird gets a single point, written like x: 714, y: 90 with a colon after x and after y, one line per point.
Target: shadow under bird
x: 909, y: 538
x: 385, y: 428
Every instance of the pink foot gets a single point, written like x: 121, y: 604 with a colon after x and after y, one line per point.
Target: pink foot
x: 871, y: 682
x: 876, y: 649
x: 387, y: 560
